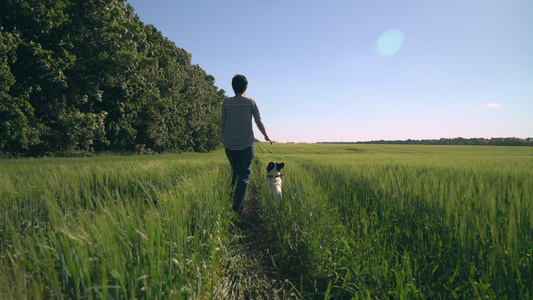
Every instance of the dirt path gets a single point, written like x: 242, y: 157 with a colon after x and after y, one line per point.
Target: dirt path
x: 249, y: 273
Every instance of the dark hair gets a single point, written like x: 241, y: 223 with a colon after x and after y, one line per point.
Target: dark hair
x: 239, y: 83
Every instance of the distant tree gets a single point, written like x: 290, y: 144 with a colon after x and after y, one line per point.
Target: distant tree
x: 509, y: 141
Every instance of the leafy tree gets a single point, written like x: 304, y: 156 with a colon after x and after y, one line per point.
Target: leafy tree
x: 14, y: 109
x: 87, y: 75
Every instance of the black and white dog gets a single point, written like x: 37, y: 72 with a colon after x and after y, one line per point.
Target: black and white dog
x: 274, y: 177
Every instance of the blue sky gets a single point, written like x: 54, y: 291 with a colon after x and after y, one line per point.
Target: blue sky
x: 359, y: 70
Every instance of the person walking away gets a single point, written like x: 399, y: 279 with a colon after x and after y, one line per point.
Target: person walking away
x: 238, y: 137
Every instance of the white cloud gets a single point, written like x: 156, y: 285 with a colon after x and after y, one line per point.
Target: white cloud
x: 494, y: 105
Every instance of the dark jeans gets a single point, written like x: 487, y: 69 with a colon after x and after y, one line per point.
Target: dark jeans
x: 241, y: 165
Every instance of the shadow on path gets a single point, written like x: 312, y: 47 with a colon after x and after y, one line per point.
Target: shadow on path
x: 249, y: 273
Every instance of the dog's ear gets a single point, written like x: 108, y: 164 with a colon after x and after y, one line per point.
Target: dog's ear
x: 271, y: 166
x: 280, y: 166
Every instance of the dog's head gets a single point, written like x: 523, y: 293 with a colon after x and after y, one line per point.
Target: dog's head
x: 274, y: 167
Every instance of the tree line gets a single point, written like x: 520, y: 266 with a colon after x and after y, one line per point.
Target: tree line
x: 85, y: 76
x: 500, y: 141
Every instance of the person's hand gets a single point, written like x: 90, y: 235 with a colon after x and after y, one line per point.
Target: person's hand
x: 268, y: 140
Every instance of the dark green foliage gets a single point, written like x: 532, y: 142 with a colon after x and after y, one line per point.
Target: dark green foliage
x: 84, y: 76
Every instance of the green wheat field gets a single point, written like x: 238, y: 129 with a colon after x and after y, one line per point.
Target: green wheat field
x: 355, y: 222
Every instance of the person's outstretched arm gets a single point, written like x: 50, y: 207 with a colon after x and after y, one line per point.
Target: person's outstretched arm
x: 259, y: 122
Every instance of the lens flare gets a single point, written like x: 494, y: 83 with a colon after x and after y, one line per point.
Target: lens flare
x: 390, y: 42
x: 494, y: 105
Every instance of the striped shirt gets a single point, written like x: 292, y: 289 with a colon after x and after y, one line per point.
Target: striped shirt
x: 236, y: 122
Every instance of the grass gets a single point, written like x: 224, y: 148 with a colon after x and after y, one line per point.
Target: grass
x: 407, y: 222
x: 112, y: 227
x: 356, y: 221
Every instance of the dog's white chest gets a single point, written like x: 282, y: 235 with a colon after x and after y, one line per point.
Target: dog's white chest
x: 275, y: 185
x: 274, y: 178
